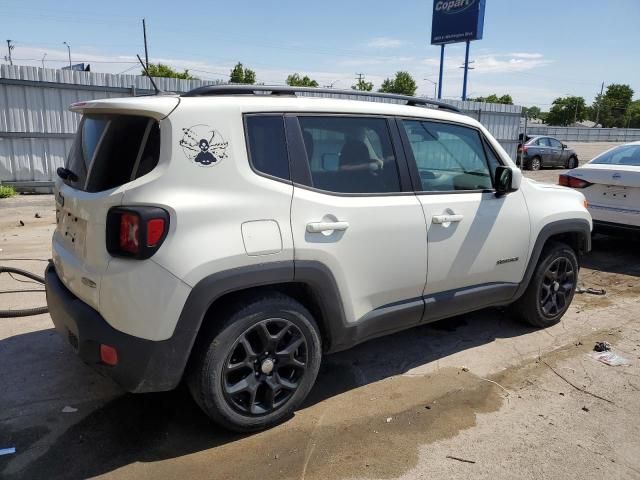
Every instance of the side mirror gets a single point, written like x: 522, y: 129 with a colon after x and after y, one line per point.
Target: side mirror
x: 564, y: 146
x: 504, y: 182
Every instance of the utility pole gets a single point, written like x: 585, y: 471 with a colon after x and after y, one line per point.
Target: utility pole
x: 146, y: 50
x: 10, y: 47
x: 43, y: 57
x: 466, y: 71
x: 599, y: 102
x: 69, y: 49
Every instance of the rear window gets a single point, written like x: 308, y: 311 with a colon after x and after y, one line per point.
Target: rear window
x: 111, y: 150
x: 623, y: 155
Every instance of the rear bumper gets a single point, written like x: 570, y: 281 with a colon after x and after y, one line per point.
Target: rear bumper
x: 143, y: 365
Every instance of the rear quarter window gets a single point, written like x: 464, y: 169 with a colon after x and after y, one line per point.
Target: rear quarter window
x: 111, y: 150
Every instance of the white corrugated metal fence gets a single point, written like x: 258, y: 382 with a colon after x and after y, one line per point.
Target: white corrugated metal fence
x: 36, y: 127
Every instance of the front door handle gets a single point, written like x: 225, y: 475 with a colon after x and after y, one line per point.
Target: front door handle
x: 319, y: 227
x: 441, y: 219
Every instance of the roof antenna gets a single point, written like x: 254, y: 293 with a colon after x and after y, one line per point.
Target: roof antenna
x: 158, y: 91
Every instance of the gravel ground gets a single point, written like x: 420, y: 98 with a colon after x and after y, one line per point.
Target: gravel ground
x: 477, y: 396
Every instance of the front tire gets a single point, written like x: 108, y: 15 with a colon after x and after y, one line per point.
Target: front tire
x: 551, y: 288
x: 255, y: 369
x: 572, y: 163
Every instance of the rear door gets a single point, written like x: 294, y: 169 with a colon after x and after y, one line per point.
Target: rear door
x: 477, y: 242
x: 544, y: 151
x: 354, y: 212
x: 556, y: 155
x: 109, y: 151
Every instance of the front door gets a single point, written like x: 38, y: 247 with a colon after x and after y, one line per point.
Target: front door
x: 477, y: 242
x: 353, y: 217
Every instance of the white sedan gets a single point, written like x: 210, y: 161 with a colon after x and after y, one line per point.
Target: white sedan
x: 611, y: 184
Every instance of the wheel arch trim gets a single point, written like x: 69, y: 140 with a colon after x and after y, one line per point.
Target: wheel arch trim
x: 578, y: 226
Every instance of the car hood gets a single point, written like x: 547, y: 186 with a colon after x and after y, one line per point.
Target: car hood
x: 621, y: 175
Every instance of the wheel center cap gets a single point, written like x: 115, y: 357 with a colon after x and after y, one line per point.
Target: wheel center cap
x: 556, y: 286
x: 267, y: 366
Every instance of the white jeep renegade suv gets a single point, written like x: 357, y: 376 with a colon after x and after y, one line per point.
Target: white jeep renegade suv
x: 232, y: 235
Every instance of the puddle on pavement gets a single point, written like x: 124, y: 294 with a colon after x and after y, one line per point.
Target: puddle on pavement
x: 339, y: 435
x: 348, y: 435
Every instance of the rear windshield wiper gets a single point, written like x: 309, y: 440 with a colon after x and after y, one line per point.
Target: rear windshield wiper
x: 66, y: 174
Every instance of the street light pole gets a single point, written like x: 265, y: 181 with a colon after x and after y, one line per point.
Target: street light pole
x: 435, y: 87
x: 69, y: 49
x: 43, y: 57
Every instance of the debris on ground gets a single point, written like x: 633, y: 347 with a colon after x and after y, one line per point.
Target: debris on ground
x: 69, y: 409
x: 7, y: 451
x: 389, y: 419
x: 610, y: 358
x: 592, y: 291
x: 37, y: 215
x: 21, y: 223
x: 602, y: 347
x: 465, y: 369
x: 460, y: 459
x: 585, y: 409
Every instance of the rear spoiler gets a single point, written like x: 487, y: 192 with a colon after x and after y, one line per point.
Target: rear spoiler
x: 157, y: 106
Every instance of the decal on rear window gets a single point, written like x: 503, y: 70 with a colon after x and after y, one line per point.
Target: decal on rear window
x: 203, y: 145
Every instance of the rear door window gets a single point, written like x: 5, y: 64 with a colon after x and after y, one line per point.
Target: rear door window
x: 111, y: 150
x: 350, y: 154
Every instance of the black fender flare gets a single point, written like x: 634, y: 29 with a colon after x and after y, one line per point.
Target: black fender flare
x: 175, y: 351
x: 580, y: 226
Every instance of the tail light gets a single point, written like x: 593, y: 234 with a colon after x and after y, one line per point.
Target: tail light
x: 573, y: 182
x: 136, y: 232
x: 523, y: 149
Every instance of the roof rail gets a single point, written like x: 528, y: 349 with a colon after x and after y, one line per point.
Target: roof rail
x: 212, y: 90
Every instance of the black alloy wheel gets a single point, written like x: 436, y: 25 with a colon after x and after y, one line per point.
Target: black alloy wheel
x: 265, y: 367
x: 556, y: 288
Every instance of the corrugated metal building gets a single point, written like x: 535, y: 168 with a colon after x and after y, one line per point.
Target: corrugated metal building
x: 36, y: 128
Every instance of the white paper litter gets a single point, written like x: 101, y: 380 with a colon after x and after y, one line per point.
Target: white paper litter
x: 610, y: 358
x: 69, y: 409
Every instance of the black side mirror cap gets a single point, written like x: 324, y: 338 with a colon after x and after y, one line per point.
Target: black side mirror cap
x: 564, y: 145
x: 503, y: 180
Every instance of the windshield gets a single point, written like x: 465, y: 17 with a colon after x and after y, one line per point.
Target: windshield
x: 622, y: 155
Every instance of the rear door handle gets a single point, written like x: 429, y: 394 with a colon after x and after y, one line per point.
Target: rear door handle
x: 447, y: 218
x: 318, y: 227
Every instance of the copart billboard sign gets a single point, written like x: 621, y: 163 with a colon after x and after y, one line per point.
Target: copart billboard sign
x: 457, y: 21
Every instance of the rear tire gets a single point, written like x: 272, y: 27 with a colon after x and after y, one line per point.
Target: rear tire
x: 535, y: 164
x: 572, y: 162
x: 551, y: 288
x: 258, y: 366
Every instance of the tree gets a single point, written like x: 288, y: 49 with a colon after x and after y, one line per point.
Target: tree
x: 162, y: 70
x: 567, y: 110
x: 403, y: 84
x: 610, y: 109
x: 363, y: 85
x: 531, y: 112
x: 633, y: 114
x: 240, y: 74
x: 493, y: 98
x: 295, y: 80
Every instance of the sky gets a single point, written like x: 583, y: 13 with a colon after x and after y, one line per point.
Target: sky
x: 536, y: 50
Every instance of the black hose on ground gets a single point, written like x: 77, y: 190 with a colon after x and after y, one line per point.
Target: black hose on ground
x: 26, y: 311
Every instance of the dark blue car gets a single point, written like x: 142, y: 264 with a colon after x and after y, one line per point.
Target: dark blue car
x: 539, y: 152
